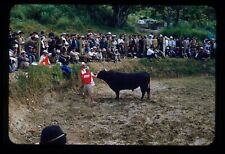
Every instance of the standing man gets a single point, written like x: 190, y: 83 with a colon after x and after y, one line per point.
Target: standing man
x: 88, y: 83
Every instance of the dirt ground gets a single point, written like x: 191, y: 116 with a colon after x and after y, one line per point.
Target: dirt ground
x: 181, y: 111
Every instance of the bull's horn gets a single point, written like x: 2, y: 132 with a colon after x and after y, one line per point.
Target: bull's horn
x: 105, y: 69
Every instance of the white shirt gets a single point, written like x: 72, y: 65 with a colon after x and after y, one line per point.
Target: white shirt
x: 120, y: 41
x: 150, y: 52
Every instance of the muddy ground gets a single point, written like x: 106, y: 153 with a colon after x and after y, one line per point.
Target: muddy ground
x: 181, y: 111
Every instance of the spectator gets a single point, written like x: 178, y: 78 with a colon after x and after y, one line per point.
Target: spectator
x: 64, y: 62
x: 155, y: 42
x: 23, y: 60
x: 99, y: 56
x: 74, y: 55
x: 12, y: 62
x: 31, y: 54
x: 21, y: 41
x: 66, y: 70
x: 44, y: 60
x: 150, y: 53
x: 53, y: 134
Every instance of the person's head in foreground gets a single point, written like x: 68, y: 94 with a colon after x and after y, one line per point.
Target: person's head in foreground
x: 83, y: 64
x: 53, y: 134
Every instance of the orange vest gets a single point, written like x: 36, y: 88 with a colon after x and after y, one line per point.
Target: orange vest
x: 45, y: 60
x: 86, y: 78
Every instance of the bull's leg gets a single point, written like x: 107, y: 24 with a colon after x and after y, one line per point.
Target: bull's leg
x: 117, y: 94
x: 143, y: 89
x: 148, y: 89
x: 148, y: 92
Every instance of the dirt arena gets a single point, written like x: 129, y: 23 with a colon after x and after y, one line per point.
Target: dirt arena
x: 181, y: 111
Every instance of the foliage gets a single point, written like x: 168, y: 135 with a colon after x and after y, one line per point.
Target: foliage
x: 181, y: 20
x: 177, y: 67
x: 185, y: 30
x: 63, y: 22
x: 42, y: 78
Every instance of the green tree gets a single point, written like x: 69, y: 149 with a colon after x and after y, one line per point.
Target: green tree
x: 121, y: 12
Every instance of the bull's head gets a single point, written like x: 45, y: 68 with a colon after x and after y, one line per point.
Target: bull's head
x: 101, y: 74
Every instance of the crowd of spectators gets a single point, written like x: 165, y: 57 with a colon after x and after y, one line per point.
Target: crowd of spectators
x: 50, y: 48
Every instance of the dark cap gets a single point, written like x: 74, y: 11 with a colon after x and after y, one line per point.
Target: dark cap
x: 53, y: 134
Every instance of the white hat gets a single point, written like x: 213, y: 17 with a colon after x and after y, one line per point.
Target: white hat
x: 22, y: 51
x: 171, y: 37
x: 66, y: 43
x: 94, y: 47
x: 57, y: 51
x: 109, y: 33
x: 83, y: 63
x: 151, y: 36
x: 45, y: 51
x: 15, y: 46
x: 36, y: 36
x: 160, y: 35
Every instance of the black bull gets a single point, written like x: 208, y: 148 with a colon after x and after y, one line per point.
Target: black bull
x: 120, y: 81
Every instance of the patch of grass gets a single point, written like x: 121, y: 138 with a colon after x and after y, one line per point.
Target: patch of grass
x: 185, y: 30
x: 42, y: 77
x: 63, y: 22
x: 177, y: 67
x: 39, y: 78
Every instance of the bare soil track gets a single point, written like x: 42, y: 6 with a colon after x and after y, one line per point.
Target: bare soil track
x: 181, y: 111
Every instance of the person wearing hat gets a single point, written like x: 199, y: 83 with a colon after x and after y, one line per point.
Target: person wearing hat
x: 21, y: 41
x: 23, y: 60
x: 13, y: 62
x: 88, y: 83
x: 44, y: 60
x: 199, y: 54
x: 15, y: 50
x: 53, y: 134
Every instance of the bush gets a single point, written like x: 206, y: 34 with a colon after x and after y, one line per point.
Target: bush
x: 185, y: 30
x: 17, y: 12
x: 79, y: 24
x: 175, y: 67
x: 63, y: 22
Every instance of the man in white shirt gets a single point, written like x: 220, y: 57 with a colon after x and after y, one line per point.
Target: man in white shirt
x: 150, y: 53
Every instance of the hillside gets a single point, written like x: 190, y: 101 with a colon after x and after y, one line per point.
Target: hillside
x: 101, y: 19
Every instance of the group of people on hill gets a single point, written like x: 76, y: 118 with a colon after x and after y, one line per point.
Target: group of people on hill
x: 45, y: 49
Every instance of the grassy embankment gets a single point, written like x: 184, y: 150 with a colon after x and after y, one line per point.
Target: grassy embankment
x: 41, y: 79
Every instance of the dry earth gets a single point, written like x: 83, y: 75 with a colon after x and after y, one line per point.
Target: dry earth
x: 181, y: 111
